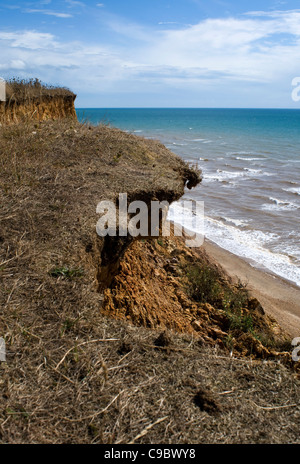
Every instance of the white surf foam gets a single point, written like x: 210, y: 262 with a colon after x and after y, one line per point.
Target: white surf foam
x: 279, y: 205
x: 249, y: 244
x: 221, y: 175
x: 247, y: 159
x: 236, y: 222
x: 295, y: 190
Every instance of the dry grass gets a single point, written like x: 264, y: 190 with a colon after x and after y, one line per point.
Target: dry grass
x: 75, y: 376
x: 94, y: 392
x: 20, y: 90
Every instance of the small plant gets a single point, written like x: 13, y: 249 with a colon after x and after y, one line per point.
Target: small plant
x: 229, y: 341
x: 241, y: 322
x: 203, y: 284
x: 270, y: 342
x: 18, y: 411
x: 234, y: 300
x: 117, y: 157
x: 206, y: 286
x: 65, y: 272
x: 68, y: 325
x: 242, y: 285
x: 233, y: 303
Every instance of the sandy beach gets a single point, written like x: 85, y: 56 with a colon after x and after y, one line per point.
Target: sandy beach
x: 279, y: 298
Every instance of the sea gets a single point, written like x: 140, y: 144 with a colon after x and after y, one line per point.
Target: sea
x: 250, y: 161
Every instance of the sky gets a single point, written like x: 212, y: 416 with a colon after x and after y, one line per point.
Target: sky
x: 158, y: 53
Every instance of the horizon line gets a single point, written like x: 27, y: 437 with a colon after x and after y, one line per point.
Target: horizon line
x: 180, y: 108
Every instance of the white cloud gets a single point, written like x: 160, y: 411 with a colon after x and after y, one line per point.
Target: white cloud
x: 49, y: 13
x: 240, y: 48
x: 44, y: 56
x: 273, y: 13
x: 163, y: 23
x: 17, y: 64
x: 26, y: 39
x: 75, y: 3
x: 259, y: 48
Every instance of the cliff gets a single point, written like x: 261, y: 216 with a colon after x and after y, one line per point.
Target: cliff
x: 116, y: 340
x: 30, y: 100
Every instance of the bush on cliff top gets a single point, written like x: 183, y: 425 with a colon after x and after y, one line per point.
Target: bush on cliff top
x: 26, y: 89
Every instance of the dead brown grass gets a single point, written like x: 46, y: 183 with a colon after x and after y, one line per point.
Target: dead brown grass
x: 75, y: 376
x: 63, y: 390
x: 22, y: 90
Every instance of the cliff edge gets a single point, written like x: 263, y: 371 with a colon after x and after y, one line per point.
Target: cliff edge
x: 31, y: 100
x: 116, y: 340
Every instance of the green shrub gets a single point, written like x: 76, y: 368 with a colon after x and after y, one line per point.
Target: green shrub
x: 203, y: 284
x: 66, y: 272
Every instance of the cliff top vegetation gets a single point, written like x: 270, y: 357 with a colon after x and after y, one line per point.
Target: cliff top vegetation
x: 21, y: 90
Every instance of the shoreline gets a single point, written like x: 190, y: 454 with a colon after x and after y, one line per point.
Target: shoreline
x: 279, y: 297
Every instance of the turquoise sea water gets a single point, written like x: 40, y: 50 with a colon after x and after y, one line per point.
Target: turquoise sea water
x: 251, y: 174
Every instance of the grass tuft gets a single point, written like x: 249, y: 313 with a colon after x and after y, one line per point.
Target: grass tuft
x: 20, y: 90
x: 66, y: 272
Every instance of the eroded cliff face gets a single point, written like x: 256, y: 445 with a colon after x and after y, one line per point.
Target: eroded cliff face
x: 62, y: 170
x: 40, y: 109
x: 53, y: 175
x: 113, y: 248
x: 162, y: 284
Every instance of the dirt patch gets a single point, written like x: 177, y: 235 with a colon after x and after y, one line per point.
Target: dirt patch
x: 206, y: 401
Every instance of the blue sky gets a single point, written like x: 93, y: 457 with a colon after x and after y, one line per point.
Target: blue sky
x: 158, y: 53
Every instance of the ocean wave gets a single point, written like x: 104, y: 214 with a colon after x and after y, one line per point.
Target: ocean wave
x: 236, y: 222
x: 256, y: 171
x: 295, y: 190
x: 247, y: 159
x: 251, y: 244
x: 279, y: 205
x: 222, y: 176
x: 238, y: 153
x: 246, y: 156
